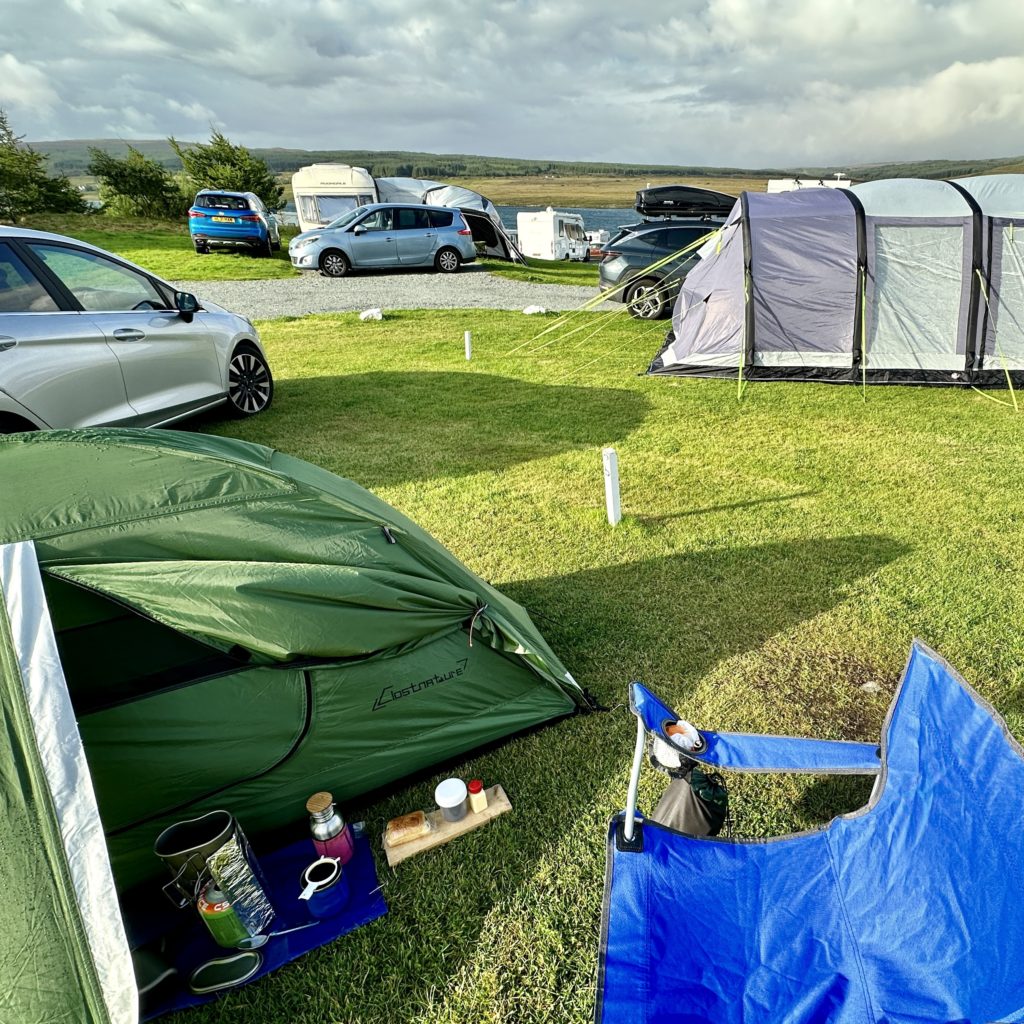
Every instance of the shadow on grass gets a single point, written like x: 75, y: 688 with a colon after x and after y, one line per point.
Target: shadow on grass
x: 670, y: 620
x: 502, y: 924
x: 418, y: 425
x: 731, y: 506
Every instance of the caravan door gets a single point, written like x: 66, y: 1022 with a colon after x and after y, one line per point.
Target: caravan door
x: 65, y: 953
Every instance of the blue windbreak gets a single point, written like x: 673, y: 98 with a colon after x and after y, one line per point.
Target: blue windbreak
x: 906, y: 912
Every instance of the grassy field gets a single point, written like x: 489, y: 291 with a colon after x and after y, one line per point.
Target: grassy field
x: 592, y: 191
x: 545, y: 271
x: 165, y: 249
x: 549, y: 190
x: 776, y: 554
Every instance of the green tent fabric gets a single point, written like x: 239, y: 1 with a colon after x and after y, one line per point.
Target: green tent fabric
x: 238, y: 628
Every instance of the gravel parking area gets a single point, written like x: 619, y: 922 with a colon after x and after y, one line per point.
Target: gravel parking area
x: 472, y: 287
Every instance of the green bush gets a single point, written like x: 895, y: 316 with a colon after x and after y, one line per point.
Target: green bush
x: 25, y: 184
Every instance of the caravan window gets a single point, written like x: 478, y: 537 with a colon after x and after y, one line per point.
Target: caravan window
x: 332, y: 207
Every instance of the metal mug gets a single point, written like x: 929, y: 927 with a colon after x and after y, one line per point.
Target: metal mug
x: 185, y: 848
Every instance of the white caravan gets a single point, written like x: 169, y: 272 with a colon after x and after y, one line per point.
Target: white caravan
x: 323, y: 192
x: 792, y: 184
x: 551, y: 235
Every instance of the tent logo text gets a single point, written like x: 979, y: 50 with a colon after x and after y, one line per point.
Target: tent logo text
x: 390, y: 694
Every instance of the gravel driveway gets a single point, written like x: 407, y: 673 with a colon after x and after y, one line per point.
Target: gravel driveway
x: 472, y: 287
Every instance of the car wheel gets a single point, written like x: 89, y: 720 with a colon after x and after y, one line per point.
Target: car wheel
x: 334, y: 264
x: 447, y: 261
x: 275, y: 246
x: 646, y: 299
x: 250, y: 383
x: 202, y: 249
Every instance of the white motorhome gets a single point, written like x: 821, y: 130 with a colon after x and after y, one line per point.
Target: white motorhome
x: 552, y: 235
x: 323, y: 192
x: 792, y: 184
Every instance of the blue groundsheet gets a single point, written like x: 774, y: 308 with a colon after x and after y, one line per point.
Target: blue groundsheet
x: 910, y: 910
x: 281, y: 871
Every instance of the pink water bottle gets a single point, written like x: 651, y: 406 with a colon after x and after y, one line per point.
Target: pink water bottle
x: 331, y: 836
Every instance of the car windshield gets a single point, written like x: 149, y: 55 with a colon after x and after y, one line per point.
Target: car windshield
x: 346, y: 218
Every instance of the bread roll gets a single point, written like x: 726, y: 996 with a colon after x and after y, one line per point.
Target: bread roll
x: 406, y: 828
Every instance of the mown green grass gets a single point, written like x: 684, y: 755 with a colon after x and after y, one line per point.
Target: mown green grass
x: 165, y: 249
x: 545, y: 271
x: 776, y: 554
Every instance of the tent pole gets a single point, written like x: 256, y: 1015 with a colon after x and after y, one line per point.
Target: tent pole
x: 634, y: 778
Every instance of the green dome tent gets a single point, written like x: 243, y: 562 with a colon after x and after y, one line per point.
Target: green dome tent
x: 231, y: 627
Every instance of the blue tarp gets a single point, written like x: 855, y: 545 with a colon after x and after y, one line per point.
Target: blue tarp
x: 282, y: 870
x: 904, y: 912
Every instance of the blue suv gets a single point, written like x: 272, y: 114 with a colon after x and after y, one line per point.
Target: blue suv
x: 232, y: 220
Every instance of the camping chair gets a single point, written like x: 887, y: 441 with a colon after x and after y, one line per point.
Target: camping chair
x: 910, y: 909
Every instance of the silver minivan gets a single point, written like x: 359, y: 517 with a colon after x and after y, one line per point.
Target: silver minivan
x: 381, y: 235
x: 88, y: 339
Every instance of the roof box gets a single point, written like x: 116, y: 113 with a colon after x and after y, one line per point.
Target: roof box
x: 683, y: 201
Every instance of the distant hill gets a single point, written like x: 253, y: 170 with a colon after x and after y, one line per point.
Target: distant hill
x: 71, y: 156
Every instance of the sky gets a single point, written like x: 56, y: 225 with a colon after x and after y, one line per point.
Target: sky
x: 741, y: 83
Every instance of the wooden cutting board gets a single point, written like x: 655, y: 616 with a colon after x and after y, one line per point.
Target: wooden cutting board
x: 442, y: 831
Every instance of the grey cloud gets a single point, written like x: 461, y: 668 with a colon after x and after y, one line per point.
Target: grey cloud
x: 743, y: 82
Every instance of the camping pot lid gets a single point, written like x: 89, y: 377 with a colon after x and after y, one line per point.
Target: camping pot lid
x: 450, y: 793
x: 321, y: 874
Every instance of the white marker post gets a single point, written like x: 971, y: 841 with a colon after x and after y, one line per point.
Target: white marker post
x: 469, y: 344
x: 611, y: 485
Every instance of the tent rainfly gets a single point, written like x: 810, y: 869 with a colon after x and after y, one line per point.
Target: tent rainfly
x: 192, y: 622
x: 903, y: 281
x: 480, y: 213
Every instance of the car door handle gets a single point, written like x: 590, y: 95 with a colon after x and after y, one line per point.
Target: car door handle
x: 128, y: 334
x: 7, y: 342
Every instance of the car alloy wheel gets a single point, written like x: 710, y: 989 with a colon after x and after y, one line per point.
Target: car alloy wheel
x: 334, y: 264
x: 250, y: 384
x: 646, y: 300
x: 447, y: 261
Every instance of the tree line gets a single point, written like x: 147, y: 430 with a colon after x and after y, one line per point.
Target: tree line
x: 133, y: 185
x: 73, y: 157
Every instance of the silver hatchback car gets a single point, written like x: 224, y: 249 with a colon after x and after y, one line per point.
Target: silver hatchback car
x: 381, y: 235
x: 88, y: 339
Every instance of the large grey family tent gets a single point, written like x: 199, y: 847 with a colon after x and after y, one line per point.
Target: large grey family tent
x: 897, y: 281
x: 192, y: 622
x: 481, y: 216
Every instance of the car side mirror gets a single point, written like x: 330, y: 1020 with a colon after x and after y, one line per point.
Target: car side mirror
x: 187, y: 305
x: 359, y: 230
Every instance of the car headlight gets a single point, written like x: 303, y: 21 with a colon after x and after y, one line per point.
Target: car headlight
x: 301, y: 243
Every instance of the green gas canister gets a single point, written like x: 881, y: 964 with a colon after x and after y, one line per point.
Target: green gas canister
x: 220, y: 918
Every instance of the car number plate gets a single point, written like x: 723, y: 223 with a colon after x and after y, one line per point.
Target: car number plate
x: 223, y: 220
